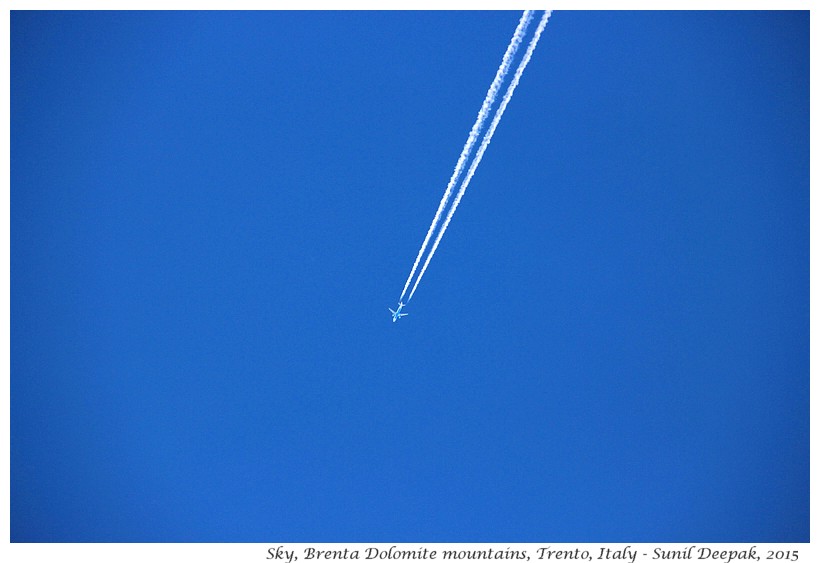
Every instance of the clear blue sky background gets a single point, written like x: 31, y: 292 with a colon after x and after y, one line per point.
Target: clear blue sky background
x: 211, y: 213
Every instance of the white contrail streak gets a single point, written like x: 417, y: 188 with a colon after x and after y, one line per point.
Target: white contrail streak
x: 484, y: 143
x: 489, y: 99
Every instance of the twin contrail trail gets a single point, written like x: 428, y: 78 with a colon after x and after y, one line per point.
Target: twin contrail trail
x: 489, y: 100
x: 485, y: 143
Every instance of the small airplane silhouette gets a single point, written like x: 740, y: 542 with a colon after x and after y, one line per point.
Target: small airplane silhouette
x: 397, y: 314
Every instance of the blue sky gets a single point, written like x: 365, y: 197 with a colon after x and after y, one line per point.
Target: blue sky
x: 212, y: 211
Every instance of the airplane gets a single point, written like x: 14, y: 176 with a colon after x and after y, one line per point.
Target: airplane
x: 398, y: 314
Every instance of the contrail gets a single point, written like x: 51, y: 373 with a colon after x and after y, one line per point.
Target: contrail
x: 489, y: 99
x: 484, y: 143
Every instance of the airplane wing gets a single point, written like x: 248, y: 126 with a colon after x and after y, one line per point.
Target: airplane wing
x: 391, y: 310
